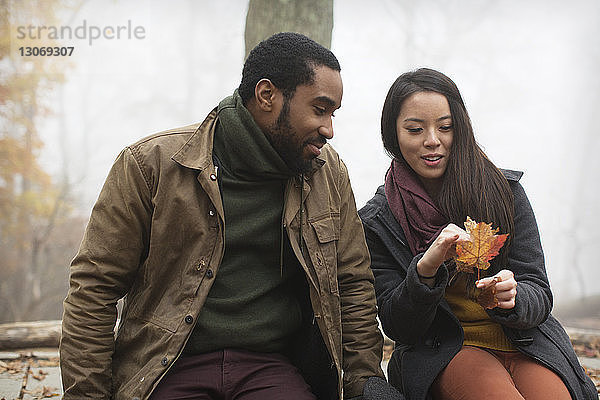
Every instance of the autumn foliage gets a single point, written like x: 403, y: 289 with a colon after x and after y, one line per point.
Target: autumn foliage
x: 34, y: 207
x: 484, y: 244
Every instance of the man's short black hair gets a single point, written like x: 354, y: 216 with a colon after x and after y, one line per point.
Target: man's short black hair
x: 287, y: 59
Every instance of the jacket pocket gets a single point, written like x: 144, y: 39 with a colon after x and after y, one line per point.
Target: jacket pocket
x: 327, y: 229
x: 324, y: 253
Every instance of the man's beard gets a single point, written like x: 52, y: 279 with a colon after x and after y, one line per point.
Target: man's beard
x: 283, y: 138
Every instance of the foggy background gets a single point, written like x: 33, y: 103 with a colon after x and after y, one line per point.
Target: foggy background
x: 527, y: 70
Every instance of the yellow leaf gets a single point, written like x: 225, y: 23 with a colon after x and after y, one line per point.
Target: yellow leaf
x: 483, y: 245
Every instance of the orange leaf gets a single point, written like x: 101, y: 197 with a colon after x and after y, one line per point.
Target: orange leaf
x: 483, y: 245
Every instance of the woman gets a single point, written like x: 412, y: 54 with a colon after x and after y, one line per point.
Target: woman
x: 448, y: 346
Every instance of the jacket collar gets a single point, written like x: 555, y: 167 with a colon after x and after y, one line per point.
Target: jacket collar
x: 196, y: 153
x: 387, y: 218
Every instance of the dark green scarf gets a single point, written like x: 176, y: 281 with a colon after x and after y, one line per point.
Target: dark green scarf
x: 242, y: 147
x: 252, y: 304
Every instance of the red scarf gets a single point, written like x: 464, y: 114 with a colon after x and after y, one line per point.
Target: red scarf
x: 414, y: 209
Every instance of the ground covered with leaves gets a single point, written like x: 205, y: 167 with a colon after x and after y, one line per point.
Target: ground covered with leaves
x: 31, y: 367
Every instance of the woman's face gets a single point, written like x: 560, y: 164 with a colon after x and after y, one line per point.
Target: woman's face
x: 424, y: 129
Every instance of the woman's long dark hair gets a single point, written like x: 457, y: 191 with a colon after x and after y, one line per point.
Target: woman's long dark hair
x: 472, y: 185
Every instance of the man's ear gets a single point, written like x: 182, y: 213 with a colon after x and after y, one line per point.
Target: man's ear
x: 265, y: 93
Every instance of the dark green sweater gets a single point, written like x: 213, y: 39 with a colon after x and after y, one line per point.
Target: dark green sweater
x: 251, y: 304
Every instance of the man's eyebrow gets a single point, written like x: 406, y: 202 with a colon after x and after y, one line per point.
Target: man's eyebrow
x: 326, y: 100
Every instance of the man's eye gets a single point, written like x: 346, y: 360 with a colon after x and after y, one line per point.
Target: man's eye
x: 320, y: 110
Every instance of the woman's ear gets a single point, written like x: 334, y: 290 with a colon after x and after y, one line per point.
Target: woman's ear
x: 264, y: 92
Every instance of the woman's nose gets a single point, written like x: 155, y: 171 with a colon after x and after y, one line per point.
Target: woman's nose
x: 431, y: 139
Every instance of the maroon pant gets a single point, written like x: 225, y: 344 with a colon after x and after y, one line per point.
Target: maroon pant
x: 475, y: 373
x: 233, y: 375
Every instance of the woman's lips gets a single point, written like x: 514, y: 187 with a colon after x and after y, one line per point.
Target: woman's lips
x: 432, y: 160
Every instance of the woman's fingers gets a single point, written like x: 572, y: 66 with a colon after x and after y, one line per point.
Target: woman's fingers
x: 435, y: 255
x: 505, y: 288
x: 454, y: 229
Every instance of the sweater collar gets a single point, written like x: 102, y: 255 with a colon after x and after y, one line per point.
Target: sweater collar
x: 242, y: 147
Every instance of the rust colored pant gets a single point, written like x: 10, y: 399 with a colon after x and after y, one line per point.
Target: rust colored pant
x: 233, y: 375
x: 475, y: 373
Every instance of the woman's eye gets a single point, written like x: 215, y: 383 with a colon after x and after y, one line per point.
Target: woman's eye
x: 446, y: 128
x: 414, y: 130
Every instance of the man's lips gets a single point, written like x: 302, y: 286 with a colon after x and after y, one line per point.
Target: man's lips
x: 315, y: 147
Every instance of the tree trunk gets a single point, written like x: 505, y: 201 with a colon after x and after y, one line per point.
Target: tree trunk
x: 313, y: 18
x: 23, y: 335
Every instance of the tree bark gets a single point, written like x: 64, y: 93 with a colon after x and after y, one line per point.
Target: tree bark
x: 313, y: 18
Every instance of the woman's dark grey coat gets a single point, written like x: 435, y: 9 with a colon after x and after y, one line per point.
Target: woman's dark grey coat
x: 426, y: 332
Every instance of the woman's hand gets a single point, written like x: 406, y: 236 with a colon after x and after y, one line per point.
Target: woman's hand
x: 442, y: 248
x: 506, y: 288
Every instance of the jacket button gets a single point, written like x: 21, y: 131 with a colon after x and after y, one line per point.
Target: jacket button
x: 213, y: 177
x: 200, y: 265
x: 189, y: 319
x: 209, y: 273
x: 135, y: 398
x: 164, y: 362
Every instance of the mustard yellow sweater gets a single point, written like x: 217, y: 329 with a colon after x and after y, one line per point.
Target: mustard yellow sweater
x: 479, y: 329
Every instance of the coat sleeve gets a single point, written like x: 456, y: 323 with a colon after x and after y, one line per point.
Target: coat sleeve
x: 407, y: 307
x: 362, y: 342
x: 533, y: 302
x: 100, y: 274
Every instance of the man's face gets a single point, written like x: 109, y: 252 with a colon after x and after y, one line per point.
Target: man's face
x: 304, y: 122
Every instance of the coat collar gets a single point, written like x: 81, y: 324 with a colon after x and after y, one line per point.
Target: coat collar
x: 196, y: 153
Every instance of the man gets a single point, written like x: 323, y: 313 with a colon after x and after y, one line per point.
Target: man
x: 237, y: 248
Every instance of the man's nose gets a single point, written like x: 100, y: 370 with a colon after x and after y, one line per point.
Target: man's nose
x: 327, y: 130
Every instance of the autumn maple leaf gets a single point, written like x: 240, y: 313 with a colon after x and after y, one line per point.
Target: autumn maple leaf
x: 483, y: 245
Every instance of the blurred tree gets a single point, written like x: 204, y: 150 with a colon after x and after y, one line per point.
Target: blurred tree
x: 31, y: 204
x: 313, y: 18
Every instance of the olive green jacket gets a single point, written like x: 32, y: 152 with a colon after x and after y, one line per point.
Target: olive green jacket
x: 155, y: 237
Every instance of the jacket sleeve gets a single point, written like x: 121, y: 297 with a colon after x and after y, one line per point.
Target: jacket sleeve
x: 362, y: 342
x: 407, y: 307
x: 100, y: 274
x: 533, y: 302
